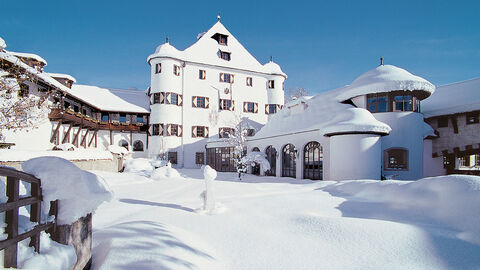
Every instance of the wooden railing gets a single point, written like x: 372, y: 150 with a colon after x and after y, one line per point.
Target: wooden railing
x: 11, y: 209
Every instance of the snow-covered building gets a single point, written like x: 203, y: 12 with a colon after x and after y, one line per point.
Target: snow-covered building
x: 370, y: 129
x: 197, y: 94
x: 454, y: 111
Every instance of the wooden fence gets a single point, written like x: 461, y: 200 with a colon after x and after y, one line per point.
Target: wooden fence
x: 11, y: 209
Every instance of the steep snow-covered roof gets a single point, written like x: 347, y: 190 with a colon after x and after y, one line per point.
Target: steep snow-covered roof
x: 112, y: 99
x: 62, y: 76
x: 453, y: 98
x: 30, y: 55
x: 325, y: 114
x: 385, y: 78
x: 206, y: 50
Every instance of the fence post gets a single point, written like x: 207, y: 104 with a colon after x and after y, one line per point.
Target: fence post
x: 35, y: 214
x: 11, y: 218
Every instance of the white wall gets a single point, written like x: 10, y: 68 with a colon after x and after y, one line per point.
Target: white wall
x: 431, y: 166
x: 356, y: 156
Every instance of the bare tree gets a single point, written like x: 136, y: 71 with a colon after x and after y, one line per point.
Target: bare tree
x: 19, y: 109
x: 294, y: 93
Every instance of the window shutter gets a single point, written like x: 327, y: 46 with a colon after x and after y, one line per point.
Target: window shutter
x: 168, y: 98
x: 206, y: 132
x: 151, y: 99
x: 150, y: 130
x: 266, y: 109
x: 180, y: 131
x: 169, y: 130
x: 160, y: 129
x: 194, y: 131
x: 255, y: 107
x: 180, y: 100
x: 233, y: 105
x: 162, y: 97
x: 220, y: 132
x: 245, y: 106
x: 279, y: 107
x: 194, y: 101
x: 231, y: 78
x: 207, y: 103
x: 222, y: 77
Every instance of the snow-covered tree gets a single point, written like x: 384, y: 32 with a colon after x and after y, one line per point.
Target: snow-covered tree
x: 294, y: 93
x: 19, y: 109
x: 238, y: 140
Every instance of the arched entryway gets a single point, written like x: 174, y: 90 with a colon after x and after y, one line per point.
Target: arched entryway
x: 289, y: 164
x: 123, y: 143
x: 313, y: 161
x: 256, y: 167
x: 271, y: 153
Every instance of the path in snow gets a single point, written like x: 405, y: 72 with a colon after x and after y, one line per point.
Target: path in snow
x: 267, y: 223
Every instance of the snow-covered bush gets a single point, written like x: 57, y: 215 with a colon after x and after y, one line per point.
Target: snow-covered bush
x: 165, y: 172
x: 141, y: 166
x: 79, y: 192
x: 119, y: 150
x: 259, y: 158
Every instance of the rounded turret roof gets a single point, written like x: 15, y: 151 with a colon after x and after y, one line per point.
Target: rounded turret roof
x: 273, y: 68
x: 166, y: 50
x: 386, y: 78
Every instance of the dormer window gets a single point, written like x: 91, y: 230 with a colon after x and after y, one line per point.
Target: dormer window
x: 225, y: 55
x: 220, y: 38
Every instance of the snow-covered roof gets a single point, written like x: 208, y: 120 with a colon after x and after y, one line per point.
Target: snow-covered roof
x: 325, y: 114
x: 62, y: 76
x: 30, y: 55
x: 205, y: 50
x: 3, y: 44
x: 386, y: 78
x: 453, y: 98
x: 112, y: 99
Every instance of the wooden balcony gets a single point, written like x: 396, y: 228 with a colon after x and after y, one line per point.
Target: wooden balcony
x: 78, y: 119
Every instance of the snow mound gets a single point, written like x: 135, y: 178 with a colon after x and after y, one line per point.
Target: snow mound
x: 142, y: 166
x: 453, y: 200
x: 65, y: 147
x: 115, y: 149
x: 165, y: 172
x: 79, y: 192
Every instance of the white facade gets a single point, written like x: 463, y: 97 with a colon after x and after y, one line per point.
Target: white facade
x: 200, y: 72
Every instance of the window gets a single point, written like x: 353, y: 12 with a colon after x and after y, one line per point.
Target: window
x: 199, y: 158
x: 251, y: 107
x: 403, y: 103
x: 123, y: 118
x: 464, y: 161
x: 202, y: 74
x: 173, y: 98
x: 157, y: 130
x: 271, y: 84
x: 174, y: 130
x: 138, y: 146
x: 477, y: 160
x: 225, y: 77
x: 176, y: 70
x: 313, y: 161
x: 140, y: 119
x: 225, y: 132
x: 66, y: 105
x: 75, y: 108
x: 225, y: 55
x: 270, y: 108
x: 220, y: 38
x: 200, y: 102
x: 226, y: 104
x: 249, y: 81
x: 123, y: 143
x: 24, y: 89
x: 172, y: 157
x: 199, y: 131
x: 250, y: 132
x: 377, y: 103
x: 396, y: 159
x: 105, y: 117
x: 157, y: 98
x: 472, y: 118
x: 442, y: 121
x: 158, y: 68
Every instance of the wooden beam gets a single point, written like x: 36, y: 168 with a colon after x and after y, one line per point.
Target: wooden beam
x: 54, y: 135
x: 11, y: 218
x: 75, y: 138
x: 131, y: 139
x: 84, y: 139
x: 111, y: 137
x: 93, y: 137
x: 454, y: 123
x: 67, y: 136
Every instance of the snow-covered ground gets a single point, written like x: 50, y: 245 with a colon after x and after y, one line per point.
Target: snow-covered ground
x: 284, y: 223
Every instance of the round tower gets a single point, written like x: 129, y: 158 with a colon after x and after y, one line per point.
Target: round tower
x: 275, y: 84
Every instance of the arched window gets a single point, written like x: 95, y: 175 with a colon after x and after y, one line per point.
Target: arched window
x: 271, y: 153
x: 396, y: 159
x: 289, y: 163
x: 123, y: 143
x: 313, y: 161
x: 255, y: 149
x: 138, y: 146
x: 256, y: 167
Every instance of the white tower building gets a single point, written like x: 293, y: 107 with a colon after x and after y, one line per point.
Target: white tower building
x: 196, y: 94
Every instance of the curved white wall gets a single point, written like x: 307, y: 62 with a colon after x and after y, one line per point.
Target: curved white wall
x: 356, y: 156
x: 165, y: 81
x: 276, y: 95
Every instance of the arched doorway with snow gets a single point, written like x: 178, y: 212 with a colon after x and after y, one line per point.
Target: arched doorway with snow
x: 289, y: 163
x: 313, y: 161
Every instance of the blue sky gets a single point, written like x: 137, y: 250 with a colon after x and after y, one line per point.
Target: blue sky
x: 320, y: 45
